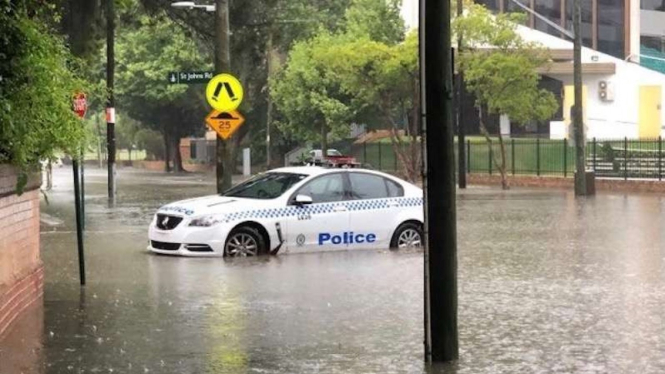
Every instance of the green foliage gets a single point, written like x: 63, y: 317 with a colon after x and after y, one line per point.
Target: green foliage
x: 38, y: 77
x: 334, y: 79
x: 145, y: 55
x: 503, y: 76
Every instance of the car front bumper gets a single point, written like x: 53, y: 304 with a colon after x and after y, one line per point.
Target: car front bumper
x: 188, y: 241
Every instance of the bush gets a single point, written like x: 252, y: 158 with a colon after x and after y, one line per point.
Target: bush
x: 37, y: 82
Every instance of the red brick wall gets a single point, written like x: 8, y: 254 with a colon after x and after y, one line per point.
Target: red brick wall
x: 21, y: 277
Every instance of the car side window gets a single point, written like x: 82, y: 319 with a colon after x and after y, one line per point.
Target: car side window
x: 394, y: 189
x: 324, y: 189
x: 368, y: 186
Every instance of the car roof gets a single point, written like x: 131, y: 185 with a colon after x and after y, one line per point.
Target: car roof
x: 318, y: 170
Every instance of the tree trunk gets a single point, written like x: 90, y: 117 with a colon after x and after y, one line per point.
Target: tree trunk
x: 177, y: 156
x: 167, y: 152
x: 501, y: 165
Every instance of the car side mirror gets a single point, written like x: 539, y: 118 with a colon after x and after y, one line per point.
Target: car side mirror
x: 303, y: 200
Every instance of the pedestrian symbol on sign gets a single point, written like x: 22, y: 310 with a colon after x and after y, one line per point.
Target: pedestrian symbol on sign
x: 224, y: 92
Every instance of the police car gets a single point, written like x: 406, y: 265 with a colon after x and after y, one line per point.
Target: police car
x: 294, y: 209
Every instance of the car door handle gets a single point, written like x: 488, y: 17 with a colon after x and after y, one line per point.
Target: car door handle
x: 340, y: 208
x: 393, y: 204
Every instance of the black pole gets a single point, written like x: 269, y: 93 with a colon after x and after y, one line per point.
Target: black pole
x: 565, y: 157
x: 380, y: 163
x: 224, y: 163
x: 594, y: 153
x: 468, y: 154
x: 441, y: 334
x: 461, y: 131
x: 79, y: 228
x: 110, y: 104
x: 538, y: 156
x: 512, y: 154
x: 83, y: 190
x: 660, y: 158
x: 625, y: 158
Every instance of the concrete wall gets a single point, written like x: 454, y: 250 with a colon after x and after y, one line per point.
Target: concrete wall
x: 21, y: 276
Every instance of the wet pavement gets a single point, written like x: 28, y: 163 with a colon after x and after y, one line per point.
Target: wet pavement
x: 547, y: 284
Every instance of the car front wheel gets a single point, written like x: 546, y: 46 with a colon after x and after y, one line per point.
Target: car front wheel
x: 244, y: 242
x: 408, y: 235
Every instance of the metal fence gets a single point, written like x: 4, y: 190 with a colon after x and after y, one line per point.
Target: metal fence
x: 611, y: 158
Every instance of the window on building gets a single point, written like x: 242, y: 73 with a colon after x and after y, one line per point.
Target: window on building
x: 551, y: 9
x: 653, y: 5
x: 587, y: 21
x: 611, y: 27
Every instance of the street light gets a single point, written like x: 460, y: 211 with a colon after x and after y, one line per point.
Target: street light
x: 192, y: 5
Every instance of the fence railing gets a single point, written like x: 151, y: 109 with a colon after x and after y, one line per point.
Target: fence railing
x: 612, y: 158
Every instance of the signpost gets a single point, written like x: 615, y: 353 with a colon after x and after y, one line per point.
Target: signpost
x: 189, y: 77
x: 79, y: 105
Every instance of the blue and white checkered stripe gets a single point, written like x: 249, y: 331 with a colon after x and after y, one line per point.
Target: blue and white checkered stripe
x: 315, y: 209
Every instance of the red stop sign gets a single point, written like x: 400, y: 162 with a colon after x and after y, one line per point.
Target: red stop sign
x: 80, y: 104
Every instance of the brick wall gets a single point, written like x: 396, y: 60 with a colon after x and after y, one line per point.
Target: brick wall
x: 21, y: 274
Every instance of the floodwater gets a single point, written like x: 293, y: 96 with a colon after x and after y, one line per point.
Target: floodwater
x: 547, y: 284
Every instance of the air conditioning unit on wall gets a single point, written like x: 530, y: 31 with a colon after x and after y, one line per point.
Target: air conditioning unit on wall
x: 606, y: 91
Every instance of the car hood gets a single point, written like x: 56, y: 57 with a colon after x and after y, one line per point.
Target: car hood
x: 214, y: 204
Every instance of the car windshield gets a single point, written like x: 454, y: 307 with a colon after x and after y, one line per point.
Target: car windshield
x: 265, y: 186
x: 333, y: 152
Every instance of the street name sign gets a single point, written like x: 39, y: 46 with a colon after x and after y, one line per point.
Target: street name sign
x: 225, y: 123
x: 224, y: 92
x: 189, y: 77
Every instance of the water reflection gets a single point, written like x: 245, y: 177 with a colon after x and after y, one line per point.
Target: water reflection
x: 547, y: 284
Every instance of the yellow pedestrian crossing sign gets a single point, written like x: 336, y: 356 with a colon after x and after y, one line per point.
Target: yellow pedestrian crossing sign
x: 224, y: 92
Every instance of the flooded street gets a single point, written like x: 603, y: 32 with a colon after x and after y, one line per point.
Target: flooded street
x: 547, y: 284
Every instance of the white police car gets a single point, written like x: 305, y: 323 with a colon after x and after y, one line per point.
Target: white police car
x: 292, y: 210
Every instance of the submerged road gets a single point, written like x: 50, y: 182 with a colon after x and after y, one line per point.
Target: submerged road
x: 547, y: 284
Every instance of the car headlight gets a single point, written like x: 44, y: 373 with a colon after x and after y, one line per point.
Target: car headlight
x: 207, y: 221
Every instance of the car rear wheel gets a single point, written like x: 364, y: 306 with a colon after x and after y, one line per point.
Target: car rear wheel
x: 408, y: 235
x: 244, y: 242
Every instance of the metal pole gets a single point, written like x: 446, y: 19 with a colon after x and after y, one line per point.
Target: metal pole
x: 565, y: 157
x: 79, y: 228
x: 460, y: 109
x: 625, y: 158
x: 83, y: 189
x: 222, y: 65
x: 512, y: 154
x: 660, y: 158
x: 270, y: 105
x: 380, y: 166
x: 489, y: 160
x: 594, y: 153
x: 365, y: 152
x: 468, y: 154
x: 538, y: 156
x: 110, y: 104
x: 441, y: 333
x: 580, y: 139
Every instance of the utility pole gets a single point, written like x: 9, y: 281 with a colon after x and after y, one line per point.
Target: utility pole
x: 461, y: 140
x: 110, y: 104
x: 580, y: 139
x: 440, y: 259
x: 222, y: 65
x: 270, y: 105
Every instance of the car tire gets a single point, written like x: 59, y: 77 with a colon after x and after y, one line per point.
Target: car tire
x: 244, y: 241
x: 407, y: 236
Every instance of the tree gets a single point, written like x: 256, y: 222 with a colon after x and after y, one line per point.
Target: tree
x: 358, y: 74
x: 383, y: 81
x: 37, y: 76
x: 503, y: 75
x: 145, y: 55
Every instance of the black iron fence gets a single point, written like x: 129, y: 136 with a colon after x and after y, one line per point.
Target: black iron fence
x: 610, y: 158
